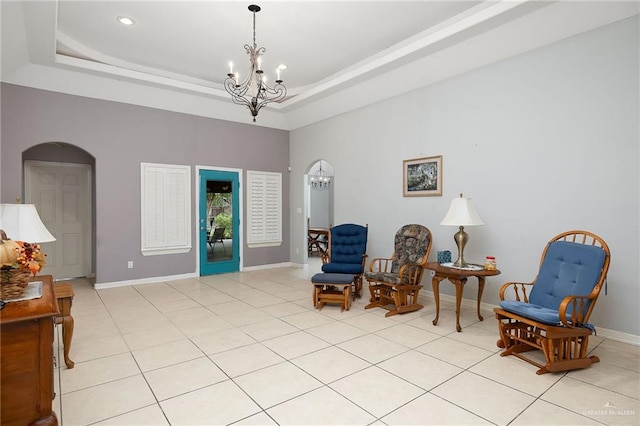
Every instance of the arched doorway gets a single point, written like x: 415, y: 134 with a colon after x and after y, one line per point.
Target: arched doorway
x: 318, y: 205
x: 59, y: 178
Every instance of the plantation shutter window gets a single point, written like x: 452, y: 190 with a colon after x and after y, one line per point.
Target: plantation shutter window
x: 264, y: 200
x: 165, y: 209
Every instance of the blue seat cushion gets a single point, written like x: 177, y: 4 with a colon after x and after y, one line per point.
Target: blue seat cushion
x: 324, y: 278
x: 567, y: 269
x: 531, y: 311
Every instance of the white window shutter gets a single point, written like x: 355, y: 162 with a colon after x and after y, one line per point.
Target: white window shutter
x: 264, y: 200
x: 165, y: 209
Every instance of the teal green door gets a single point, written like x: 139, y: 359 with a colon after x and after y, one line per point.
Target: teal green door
x: 219, y: 222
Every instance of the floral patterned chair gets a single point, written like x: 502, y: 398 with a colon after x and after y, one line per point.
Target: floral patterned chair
x: 394, y: 283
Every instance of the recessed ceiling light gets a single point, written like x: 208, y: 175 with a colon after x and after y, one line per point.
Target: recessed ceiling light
x: 125, y: 20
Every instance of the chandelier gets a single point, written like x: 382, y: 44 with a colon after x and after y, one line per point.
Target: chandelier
x: 253, y: 91
x: 320, y: 179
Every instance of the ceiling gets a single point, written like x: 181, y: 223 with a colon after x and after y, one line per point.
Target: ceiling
x: 340, y: 55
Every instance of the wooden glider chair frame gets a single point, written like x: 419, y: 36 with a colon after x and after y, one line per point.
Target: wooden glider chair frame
x: 551, y: 318
x: 396, y: 280
x: 347, y: 253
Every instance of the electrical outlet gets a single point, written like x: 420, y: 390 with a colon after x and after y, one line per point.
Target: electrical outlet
x: 130, y: 264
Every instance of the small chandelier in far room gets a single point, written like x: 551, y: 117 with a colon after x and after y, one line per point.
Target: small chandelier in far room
x: 253, y: 91
x: 320, y: 179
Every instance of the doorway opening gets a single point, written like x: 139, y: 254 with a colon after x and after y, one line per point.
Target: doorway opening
x: 318, y: 209
x: 59, y: 179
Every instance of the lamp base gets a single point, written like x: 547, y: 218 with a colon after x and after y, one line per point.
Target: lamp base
x: 462, y: 265
x: 461, y: 239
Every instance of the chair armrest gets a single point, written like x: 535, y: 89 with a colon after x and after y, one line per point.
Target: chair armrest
x: 412, y: 272
x: 518, y: 289
x: 364, y: 261
x: 577, y: 304
x: 380, y: 264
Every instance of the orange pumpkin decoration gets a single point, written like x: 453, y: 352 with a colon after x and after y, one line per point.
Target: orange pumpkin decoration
x: 9, y: 251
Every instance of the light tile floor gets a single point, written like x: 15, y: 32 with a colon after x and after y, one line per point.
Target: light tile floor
x: 249, y: 349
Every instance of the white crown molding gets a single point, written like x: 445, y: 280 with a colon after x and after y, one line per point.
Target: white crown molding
x: 487, y: 33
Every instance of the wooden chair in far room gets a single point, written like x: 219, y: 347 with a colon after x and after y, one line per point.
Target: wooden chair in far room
x: 216, y: 236
x: 554, y: 316
x: 347, y: 253
x: 394, y: 283
x: 317, y: 239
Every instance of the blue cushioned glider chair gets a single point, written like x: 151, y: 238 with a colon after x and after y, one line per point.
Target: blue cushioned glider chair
x: 347, y: 253
x: 554, y: 316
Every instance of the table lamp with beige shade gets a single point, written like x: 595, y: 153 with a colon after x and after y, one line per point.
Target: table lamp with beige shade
x: 20, y: 256
x: 462, y: 212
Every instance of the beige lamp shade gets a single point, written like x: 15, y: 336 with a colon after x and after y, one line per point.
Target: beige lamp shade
x: 22, y: 222
x: 462, y: 212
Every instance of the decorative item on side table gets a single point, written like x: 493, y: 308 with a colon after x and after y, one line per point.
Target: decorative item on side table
x: 490, y: 263
x: 462, y: 212
x: 444, y: 256
x: 20, y: 259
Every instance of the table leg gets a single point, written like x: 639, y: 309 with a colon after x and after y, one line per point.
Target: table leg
x: 480, y: 290
x: 67, y: 334
x: 459, y: 283
x: 435, y: 283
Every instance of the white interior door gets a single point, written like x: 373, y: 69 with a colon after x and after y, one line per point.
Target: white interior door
x: 61, y: 193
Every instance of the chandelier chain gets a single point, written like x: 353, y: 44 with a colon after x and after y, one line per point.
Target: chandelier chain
x: 254, y: 30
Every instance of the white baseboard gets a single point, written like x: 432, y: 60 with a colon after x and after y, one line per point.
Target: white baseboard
x: 270, y: 266
x: 618, y: 336
x: 149, y: 280
x: 605, y: 333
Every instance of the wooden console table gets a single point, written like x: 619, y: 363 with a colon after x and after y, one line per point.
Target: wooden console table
x: 26, y: 359
x: 459, y: 278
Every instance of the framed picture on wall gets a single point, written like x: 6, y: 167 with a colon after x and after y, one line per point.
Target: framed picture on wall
x: 422, y: 177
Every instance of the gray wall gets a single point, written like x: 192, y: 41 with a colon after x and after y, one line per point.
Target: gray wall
x: 543, y: 142
x: 120, y: 137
